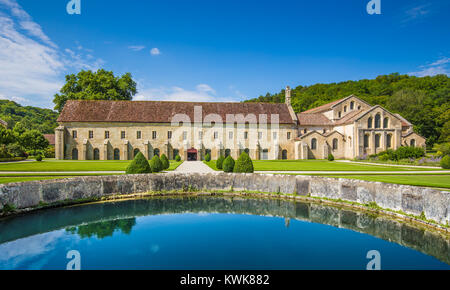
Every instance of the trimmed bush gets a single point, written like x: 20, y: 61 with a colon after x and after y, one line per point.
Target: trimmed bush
x: 139, y: 165
x: 178, y: 158
x: 39, y: 158
x: 244, y: 164
x: 219, y: 162
x: 330, y: 157
x: 165, y: 162
x: 156, y: 164
x: 228, y: 164
x: 207, y: 157
x: 445, y: 162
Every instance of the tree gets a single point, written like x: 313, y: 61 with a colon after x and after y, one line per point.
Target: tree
x: 165, y: 162
x: 156, y: 164
x: 6, y: 136
x: 33, y: 140
x: 228, y: 164
x: 244, y: 164
x: 139, y: 165
x: 100, y: 85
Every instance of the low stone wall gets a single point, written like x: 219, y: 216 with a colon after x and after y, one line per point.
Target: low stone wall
x: 435, y: 204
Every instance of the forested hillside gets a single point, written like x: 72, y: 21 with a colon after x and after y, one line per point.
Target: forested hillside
x: 424, y: 101
x: 31, y: 118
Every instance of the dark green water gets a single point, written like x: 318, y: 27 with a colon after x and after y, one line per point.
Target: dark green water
x: 215, y: 233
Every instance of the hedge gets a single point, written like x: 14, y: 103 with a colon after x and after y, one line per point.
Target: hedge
x: 165, y: 162
x: 219, y: 162
x: 156, y: 164
x: 207, y: 157
x: 139, y: 165
x: 244, y: 164
x: 228, y: 164
x: 445, y: 162
x: 12, y: 159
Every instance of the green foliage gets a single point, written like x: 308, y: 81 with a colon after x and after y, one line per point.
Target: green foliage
x: 219, y: 162
x: 156, y: 164
x: 39, y: 158
x: 244, y: 164
x: 165, y: 162
x: 445, y: 162
x: 207, y: 157
x: 400, y: 153
x: 423, y: 101
x: 33, y: 140
x: 103, y: 229
x: 99, y: 85
x: 178, y: 158
x: 228, y: 164
x: 330, y: 157
x: 7, y: 208
x: 442, y: 149
x: 28, y: 118
x: 139, y: 165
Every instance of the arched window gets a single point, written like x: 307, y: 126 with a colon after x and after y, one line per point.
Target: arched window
x: 314, y: 144
x: 156, y: 152
x: 284, y: 155
x: 352, y: 105
x: 116, y: 154
x: 227, y: 153
x: 413, y: 143
x: 75, y: 154
x: 350, y: 142
x: 386, y: 123
x: 369, y: 123
x: 377, y: 121
x: 377, y: 141
x: 366, y: 141
x: 389, y: 141
x: 136, y: 152
x: 96, y: 154
x: 335, y: 144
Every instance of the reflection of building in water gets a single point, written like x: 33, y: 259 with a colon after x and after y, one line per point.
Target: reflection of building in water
x: 287, y: 222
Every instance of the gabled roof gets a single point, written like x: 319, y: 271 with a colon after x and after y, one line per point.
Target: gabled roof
x: 50, y: 138
x: 328, y: 134
x: 349, y: 118
x: 405, y: 123
x: 317, y: 119
x: 331, y: 105
x: 163, y: 112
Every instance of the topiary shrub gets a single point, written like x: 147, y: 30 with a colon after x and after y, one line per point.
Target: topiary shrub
x: 39, y: 158
x: 228, y: 164
x: 445, y: 162
x: 178, y: 158
x: 165, y: 162
x: 219, y: 162
x: 139, y: 165
x: 156, y: 164
x: 244, y: 164
x: 207, y: 157
x: 330, y: 157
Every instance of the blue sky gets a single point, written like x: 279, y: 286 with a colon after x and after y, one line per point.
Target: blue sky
x: 216, y: 50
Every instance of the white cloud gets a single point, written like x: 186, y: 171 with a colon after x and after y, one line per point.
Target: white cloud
x: 416, y: 12
x: 201, y: 93
x: 441, y: 66
x: 155, y: 51
x: 136, y: 47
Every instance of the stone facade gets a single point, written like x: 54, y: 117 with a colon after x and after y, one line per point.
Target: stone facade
x: 347, y: 128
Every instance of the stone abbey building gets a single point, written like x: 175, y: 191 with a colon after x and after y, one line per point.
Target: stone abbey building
x: 118, y: 130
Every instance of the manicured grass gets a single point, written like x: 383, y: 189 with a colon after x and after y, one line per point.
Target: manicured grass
x: 427, y: 180
x: 319, y: 165
x: 64, y: 166
x: 4, y: 180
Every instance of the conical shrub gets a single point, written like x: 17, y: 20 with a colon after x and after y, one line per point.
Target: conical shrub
x: 156, y: 164
x: 139, y: 165
x: 219, y: 162
x: 165, y: 162
x: 228, y: 164
x: 244, y: 164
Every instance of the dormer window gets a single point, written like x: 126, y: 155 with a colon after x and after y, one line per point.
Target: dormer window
x: 352, y: 105
x: 340, y: 114
x: 345, y: 109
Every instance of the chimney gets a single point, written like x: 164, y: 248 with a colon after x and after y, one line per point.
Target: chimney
x: 288, y: 96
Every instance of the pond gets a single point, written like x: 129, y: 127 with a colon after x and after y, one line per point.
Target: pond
x: 188, y: 233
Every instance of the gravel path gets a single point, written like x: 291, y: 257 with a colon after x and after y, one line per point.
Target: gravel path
x: 193, y: 167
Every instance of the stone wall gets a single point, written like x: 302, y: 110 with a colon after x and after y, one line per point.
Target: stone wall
x: 433, y: 203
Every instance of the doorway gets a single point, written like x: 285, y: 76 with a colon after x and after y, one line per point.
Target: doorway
x: 192, y: 155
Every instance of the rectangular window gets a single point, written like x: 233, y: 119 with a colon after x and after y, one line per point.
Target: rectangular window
x: 122, y: 135
x: 184, y: 135
x: 216, y: 135
x: 275, y: 135
x: 289, y: 135
x: 260, y: 135
x: 74, y: 134
x: 91, y: 134
x: 200, y: 135
x: 169, y: 135
x: 230, y: 135
x: 138, y: 135
x: 245, y: 135
x: 106, y: 134
x: 154, y: 135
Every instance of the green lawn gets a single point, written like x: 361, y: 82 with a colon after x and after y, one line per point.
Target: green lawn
x: 64, y: 166
x: 319, y: 165
x: 427, y: 180
x: 4, y: 180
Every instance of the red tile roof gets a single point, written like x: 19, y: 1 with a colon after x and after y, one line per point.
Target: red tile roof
x: 323, y: 108
x: 50, y: 138
x: 318, y: 119
x: 163, y: 112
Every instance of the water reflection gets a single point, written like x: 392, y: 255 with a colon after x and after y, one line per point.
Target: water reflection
x: 104, y: 219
